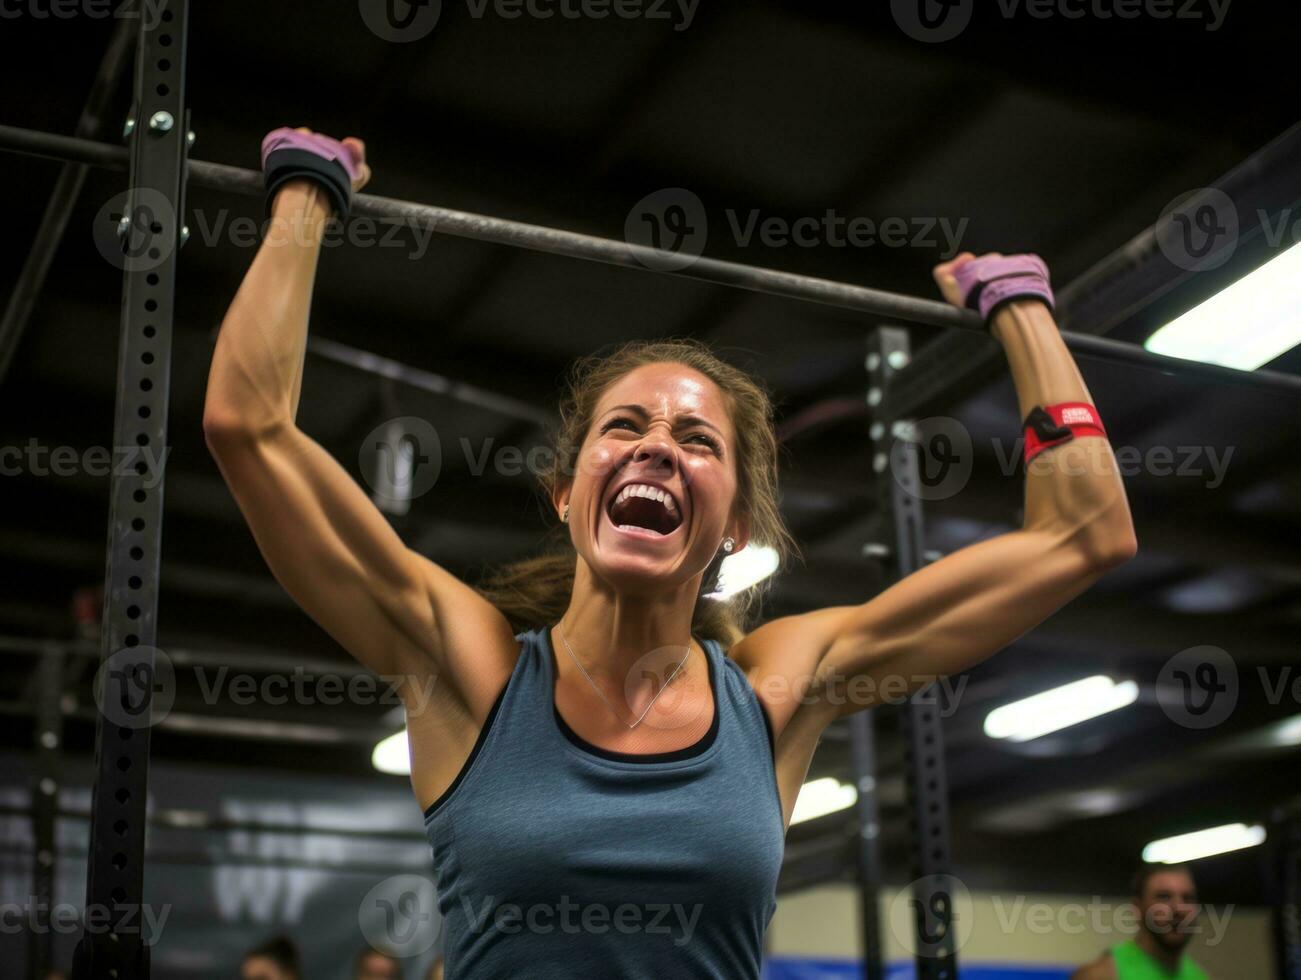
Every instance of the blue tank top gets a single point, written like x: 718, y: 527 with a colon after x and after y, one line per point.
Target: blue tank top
x: 557, y: 859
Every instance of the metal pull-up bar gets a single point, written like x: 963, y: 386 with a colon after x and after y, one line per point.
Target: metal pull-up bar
x: 499, y: 231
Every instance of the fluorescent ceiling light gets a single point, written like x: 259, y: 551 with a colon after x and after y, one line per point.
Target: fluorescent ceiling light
x: 1244, y: 325
x: 818, y: 797
x: 1203, y: 843
x: 748, y: 566
x: 1059, y: 708
x: 392, y: 755
x: 1287, y: 731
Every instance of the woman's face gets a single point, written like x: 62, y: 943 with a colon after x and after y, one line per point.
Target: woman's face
x: 652, y: 498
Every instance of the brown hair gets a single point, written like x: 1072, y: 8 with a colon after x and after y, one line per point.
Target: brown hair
x: 280, y: 950
x: 535, y: 592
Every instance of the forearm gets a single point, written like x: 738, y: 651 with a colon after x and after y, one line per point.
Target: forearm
x: 1074, y: 487
x: 256, y: 376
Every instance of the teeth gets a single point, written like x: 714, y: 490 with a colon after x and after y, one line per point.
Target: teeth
x: 653, y: 493
x: 634, y: 527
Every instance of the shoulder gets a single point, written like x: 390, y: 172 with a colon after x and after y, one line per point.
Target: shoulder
x: 782, y: 659
x: 474, y: 647
x: 1103, y: 968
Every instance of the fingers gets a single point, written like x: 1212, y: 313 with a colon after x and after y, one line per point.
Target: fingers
x: 946, y: 268
x: 356, y: 149
x: 356, y: 146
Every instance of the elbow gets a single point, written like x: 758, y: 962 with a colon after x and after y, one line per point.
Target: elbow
x: 1109, y: 548
x: 222, y: 429
x: 225, y: 429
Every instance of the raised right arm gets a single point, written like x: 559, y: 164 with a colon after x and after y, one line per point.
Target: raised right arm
x: 322, y: 537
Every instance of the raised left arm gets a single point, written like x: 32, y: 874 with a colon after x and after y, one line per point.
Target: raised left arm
x: 956, y: 612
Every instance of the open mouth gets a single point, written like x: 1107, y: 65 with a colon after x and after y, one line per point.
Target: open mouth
x: 641, y: 507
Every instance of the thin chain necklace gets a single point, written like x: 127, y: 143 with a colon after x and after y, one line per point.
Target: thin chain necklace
x: 601, y: 694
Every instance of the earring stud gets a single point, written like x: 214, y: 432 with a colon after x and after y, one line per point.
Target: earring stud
x: 564, y: 515
x: 728, y: 545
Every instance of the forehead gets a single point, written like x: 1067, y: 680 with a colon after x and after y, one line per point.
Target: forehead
x: 667, y: 389
x: 1170, y: 881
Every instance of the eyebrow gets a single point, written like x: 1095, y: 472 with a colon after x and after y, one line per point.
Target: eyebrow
x: 681, y: 420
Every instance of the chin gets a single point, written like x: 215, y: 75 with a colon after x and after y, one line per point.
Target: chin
x: 638, y: 561
x: 1175, y: 940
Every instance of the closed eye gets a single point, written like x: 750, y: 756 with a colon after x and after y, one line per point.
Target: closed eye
x: 618, y: 422
x: 707, y: 440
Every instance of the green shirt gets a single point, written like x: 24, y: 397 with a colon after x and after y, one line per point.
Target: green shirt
x: 1134, y: 964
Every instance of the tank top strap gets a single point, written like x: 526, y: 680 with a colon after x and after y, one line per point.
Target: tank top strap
x: 532, y: 695
x: 737, y: 696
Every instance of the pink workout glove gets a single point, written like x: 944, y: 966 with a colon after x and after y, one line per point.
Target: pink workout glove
x: 290, y: 155
x: 988, y: 283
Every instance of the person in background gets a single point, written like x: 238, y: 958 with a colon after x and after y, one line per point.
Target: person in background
x: 275, y: 959
x: 371, y: 964
x: 1166, y: 899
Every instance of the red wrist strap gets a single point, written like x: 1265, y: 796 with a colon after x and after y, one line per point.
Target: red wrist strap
x: 1052, y: 425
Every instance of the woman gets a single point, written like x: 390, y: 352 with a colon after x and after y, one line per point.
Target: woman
x: 608, y: 763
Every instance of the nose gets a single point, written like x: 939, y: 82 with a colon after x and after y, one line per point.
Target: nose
x: 656, y: 453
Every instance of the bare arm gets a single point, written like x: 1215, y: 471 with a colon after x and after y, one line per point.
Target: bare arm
x: 323, y: 539
x: 951, y: 615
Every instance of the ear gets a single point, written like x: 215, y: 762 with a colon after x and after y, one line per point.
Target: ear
x: 560, y: 498
x: 739, y: 529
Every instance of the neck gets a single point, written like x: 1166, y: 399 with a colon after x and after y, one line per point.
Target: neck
x: 1168, y: 958
x: 611, y: 631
